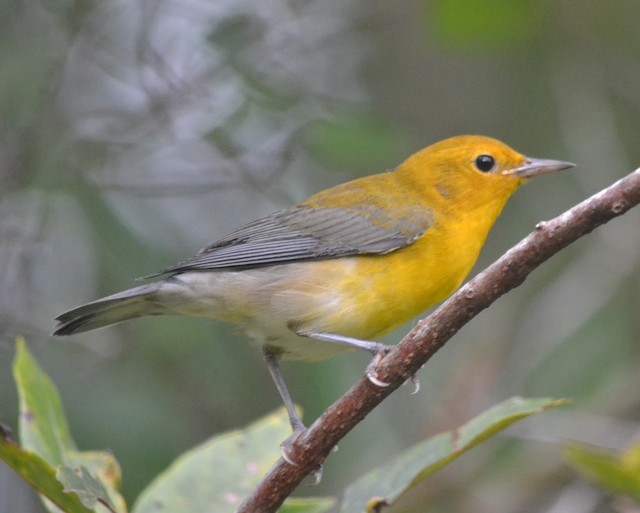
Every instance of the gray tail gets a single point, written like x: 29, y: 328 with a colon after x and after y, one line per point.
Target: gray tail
x: 119, y: 307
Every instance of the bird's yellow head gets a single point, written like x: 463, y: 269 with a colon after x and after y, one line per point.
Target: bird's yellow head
x: 472, y: 171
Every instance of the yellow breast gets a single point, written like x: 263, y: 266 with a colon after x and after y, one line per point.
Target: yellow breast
x: 367, y: 296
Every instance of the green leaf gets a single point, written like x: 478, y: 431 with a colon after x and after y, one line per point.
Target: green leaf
x: 40, y: 475
x: 105, y: 467
x: 308, y: 505
x: 43, y: 425
x: 81, y: 482
x: 384, y: 485
x: 222, y: 471
x: 618, y: 472
x: 93, y: 477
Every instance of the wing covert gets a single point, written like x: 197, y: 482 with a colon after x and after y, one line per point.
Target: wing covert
x: 309, y: 233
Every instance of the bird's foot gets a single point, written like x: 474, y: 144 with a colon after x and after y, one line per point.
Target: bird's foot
x: 371, y: 371
x: 372, y: 375
x: 285, y: 447
x: 285, y: 452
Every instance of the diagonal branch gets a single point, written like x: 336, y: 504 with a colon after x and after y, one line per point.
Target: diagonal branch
x: 430, y: 334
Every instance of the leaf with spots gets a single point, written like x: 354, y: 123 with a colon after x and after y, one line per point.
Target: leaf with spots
x: 40, y: 475
x: 89, y: 490
x: 92, y: 477
x: 43, y: 425
x: 223, y: 471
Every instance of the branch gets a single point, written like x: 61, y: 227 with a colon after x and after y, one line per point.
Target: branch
x: 430, y: 334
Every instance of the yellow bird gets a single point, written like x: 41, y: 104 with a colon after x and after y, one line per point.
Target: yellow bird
x: 344, y: 267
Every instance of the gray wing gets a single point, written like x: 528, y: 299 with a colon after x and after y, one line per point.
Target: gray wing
x: 309, y: 233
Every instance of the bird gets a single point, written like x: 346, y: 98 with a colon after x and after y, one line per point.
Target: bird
x: 344, y: 267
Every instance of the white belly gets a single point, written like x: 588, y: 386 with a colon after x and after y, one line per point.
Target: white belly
x: 266, y: 304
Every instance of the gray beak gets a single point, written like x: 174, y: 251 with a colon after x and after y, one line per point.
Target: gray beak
x: 535, y: 167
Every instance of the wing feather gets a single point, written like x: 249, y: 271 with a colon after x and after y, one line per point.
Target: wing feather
x: 310, y: 233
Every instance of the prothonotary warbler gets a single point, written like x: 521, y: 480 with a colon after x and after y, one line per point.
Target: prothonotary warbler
x: 343, y: 267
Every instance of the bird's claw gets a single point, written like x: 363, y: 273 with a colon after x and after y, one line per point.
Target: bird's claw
x: 373, y: 379
x: 286, y: 445
x: 372, y: 374
x: 416, y: 384
x: 286, y: 457
x: 317, y: 475
x: 371, y: 368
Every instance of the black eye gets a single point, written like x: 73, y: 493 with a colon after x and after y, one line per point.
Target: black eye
x: 485, y: 163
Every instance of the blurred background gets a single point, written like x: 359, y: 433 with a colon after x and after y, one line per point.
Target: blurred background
x: 134, y: 132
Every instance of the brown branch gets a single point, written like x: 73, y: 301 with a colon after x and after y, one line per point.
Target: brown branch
x: 433, y: 332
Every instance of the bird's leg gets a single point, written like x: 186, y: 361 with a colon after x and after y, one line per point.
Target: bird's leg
x: 274, y: 369
x: 374, y: 348
x: 377, y: 349
x: 297, y: 425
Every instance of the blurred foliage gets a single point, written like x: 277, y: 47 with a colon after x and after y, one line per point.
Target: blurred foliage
x: 47, y: 459
x: 133, y: 133
x: 616, y: 472
x: 484, y: 25
x: 357, y: 143
x: 89, y: 481
x: 389, y: 484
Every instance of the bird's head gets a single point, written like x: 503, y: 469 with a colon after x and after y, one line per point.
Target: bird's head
x: 474, y: 170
